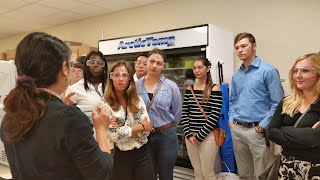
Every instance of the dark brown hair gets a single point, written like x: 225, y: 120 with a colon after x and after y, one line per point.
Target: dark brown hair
x: 39, y: 57
x: 208, y: 88
x: 243, y: 35
x: 158, y: 51
x: 87, y: 74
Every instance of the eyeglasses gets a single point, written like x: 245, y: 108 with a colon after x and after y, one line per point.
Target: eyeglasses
x: 93, y: 63
x: 242, y: 46
x: 139, y: 63
x: 119, y: 75
x: 304, y: 71
x: 158, y: 63
x: 199, y: 67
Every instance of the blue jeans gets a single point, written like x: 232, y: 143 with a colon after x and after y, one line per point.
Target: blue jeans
x: 164, y: 151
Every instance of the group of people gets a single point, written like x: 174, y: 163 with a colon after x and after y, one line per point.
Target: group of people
x: 48, y: 138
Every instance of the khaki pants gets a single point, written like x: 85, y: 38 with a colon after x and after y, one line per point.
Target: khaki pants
x: 203, y: 158
x: 250, y: 150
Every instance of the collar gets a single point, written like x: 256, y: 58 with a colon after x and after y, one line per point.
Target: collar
x: 256, y: 62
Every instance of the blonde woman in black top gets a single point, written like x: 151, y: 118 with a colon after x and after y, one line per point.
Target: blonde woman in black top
x: 300, y: 157
x: 201, y: 146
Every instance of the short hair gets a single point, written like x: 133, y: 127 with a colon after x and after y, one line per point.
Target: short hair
x: 141, y: 54
x: 158, y: 51
x: 243, y: 35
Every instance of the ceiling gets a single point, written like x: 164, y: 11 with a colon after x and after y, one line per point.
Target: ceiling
x: 19, y: 16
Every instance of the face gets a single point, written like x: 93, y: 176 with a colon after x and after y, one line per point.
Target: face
x: 96, y: 65
x: 245, y: 50
x: 141, y: 66
x: 120, y: 78
x: 305, y: 75
x: 76, y: 74
x: 200, y: 70
x: 155, y: 64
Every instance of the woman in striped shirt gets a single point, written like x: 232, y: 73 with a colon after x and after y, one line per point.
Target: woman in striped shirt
x: 198, y: 131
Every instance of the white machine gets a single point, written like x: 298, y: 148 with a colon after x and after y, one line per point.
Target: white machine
x: 8, y: 76
x: 181, y: 46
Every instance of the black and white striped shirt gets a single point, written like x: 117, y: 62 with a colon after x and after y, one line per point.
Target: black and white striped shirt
x: 193, y: 121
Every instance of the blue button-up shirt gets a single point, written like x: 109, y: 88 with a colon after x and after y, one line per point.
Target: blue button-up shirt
x: 167, y: 105
x: 255, y: 93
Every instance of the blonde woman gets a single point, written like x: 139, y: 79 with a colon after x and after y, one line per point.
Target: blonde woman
x: 198, y: 130
x: 300, y: 157
x: 132, y: 160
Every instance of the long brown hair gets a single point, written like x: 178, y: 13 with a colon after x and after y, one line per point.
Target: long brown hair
x: 131, y: 94
x: 208, y: 88
x: 39, y: 58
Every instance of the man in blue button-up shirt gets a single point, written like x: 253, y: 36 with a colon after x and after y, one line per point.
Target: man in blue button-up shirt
x: 256, y: 91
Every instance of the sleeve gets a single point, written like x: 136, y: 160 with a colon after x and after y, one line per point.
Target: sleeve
x: 75, y: 97
x: 216, y: 106
x: 232, y: 101
x: 185, y: 115
x: 176, y: 106
x: 273, y: 132
x: 289, y: 136
x: 85, y: 152
x: 301, y: 137
x: 275, y: 90
x: 143, y: 134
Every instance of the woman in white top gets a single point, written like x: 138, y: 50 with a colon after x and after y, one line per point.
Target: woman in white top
x: 132, y: 160
x: 89, y: 90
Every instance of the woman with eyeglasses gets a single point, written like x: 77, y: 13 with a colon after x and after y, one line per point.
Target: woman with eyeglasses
x: 89, y: 90
x: 300, y: 157
x: 131, y: 126
x: 198, y: 129
x: 163, y: 99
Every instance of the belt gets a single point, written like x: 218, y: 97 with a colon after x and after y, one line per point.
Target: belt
x: 247, y: 125
x: 167, y: 126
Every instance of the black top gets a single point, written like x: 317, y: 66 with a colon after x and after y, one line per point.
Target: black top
x: 60, y: 146
x: 301, y: 142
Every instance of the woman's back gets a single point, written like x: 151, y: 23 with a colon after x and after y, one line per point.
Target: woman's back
x: 59, y: 146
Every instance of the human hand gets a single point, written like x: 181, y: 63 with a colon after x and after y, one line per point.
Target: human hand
x: 259, y: 129
x: 147, y: 125
x: 113, y: 123
x: 230, y: 124
x: 193, y: 140
x: 100, y: 118
x: 316, y: 125
x: 67, y: 100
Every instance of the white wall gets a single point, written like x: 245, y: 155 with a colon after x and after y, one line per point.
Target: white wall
x: 284, y: 29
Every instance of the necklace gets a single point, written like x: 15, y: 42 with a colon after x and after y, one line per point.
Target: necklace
x: 50, y: 92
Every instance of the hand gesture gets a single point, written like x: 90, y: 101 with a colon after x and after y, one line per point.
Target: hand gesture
x: 67, y: 100
x: 100, y: 118
x: 147, y: 125
x: 316, y: 125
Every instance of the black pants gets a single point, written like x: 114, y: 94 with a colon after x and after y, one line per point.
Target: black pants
x: 135, y: 164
